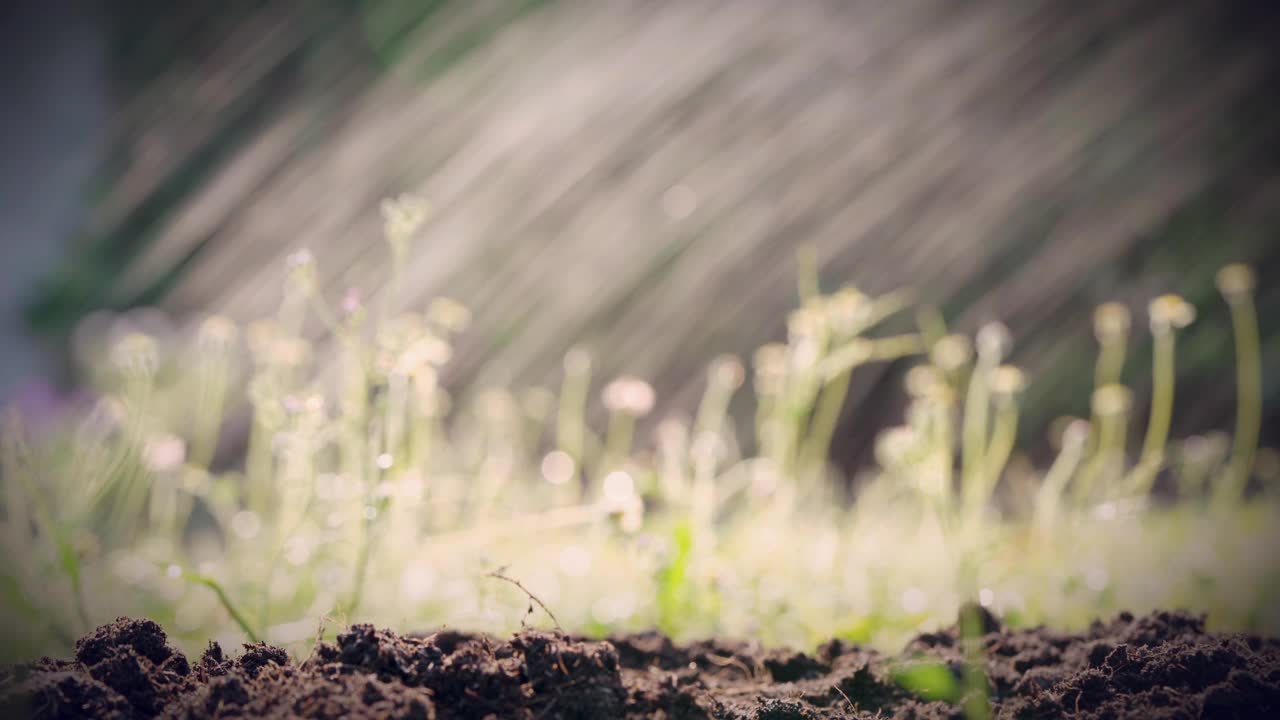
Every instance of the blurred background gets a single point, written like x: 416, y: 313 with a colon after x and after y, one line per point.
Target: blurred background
x: 639, y: 177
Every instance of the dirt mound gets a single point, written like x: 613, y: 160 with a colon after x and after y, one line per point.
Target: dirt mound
x: 1163, y: 665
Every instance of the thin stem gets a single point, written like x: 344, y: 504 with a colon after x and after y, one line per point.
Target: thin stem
x: 1244, y: 321
x: 1003, y: 437
x: 225, y: 600
x: 825, y: 417
x: 68, y: 558
x: 837, y: 371
x: 932, y: 325
x: 1106, y: 461
x: 974, y: 433
x: 1161, y: 396
x: 570, y: 425
x: 1110, y: 362
x: 1049, y: 497
x: 976, y: 704
x: 498, y: 574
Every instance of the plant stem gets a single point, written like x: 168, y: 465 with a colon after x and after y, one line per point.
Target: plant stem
x: 1003, y: 437
x: 1141, y: 478
x: 570, y: 426
x: 974, y: 434
x: 1244, y: 322
x: 1049, y: 497
x: 1110, y: 362
x: 822, y: 427
x: 226, y: 604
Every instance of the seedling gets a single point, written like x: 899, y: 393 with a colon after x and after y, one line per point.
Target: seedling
x: 365, y: 488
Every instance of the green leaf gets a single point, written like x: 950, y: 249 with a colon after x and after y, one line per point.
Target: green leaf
x: 673, y: 578
x: 930, y: 681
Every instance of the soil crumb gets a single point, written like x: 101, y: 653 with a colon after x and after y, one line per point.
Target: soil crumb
x: 1163, y: 665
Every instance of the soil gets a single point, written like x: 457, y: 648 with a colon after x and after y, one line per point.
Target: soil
x: 1163, y: 665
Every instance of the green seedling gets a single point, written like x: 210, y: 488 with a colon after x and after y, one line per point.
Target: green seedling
x: 1236, y: 283
x: 368, y: 489
x: 930, y: 681
x: 1168, y: 314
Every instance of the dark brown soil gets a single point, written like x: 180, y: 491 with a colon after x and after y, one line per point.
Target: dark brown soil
x: 1159, y: 666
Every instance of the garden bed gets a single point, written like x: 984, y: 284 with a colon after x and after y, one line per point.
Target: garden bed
x: 1162, y: 665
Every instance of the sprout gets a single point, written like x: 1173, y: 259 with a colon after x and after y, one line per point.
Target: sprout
x: 106, y: 416
x: 804, y: 352
x: 301, y: 272
x: 1075, y: 433
x: 1170, y: 312
x: 401, y: 218
x: 136, y: 353
x: 1007, y: 381
x: 893, y: 445
x: 770, y: 363
x: 629, y: 395
x: 848, y: 356
x: 1110, y: 322
x: 216, y: 332
x: 726, y: 371
x: 771, y: 358
x: 427, y: 351
x: 1236, y: 282
x: 804, y: 323
x: 1111, y: 400
x: 845, y: 309
x: 708, y: 448
x: 352, y: 306
x: 993, y: 342
x: 449, y: 314
x: 951, y: 352
x: 923, y: 381
x: 1066, y: 431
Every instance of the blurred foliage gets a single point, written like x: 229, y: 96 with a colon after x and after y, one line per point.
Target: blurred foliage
x: 204, y: 88
x: 367, y: 491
